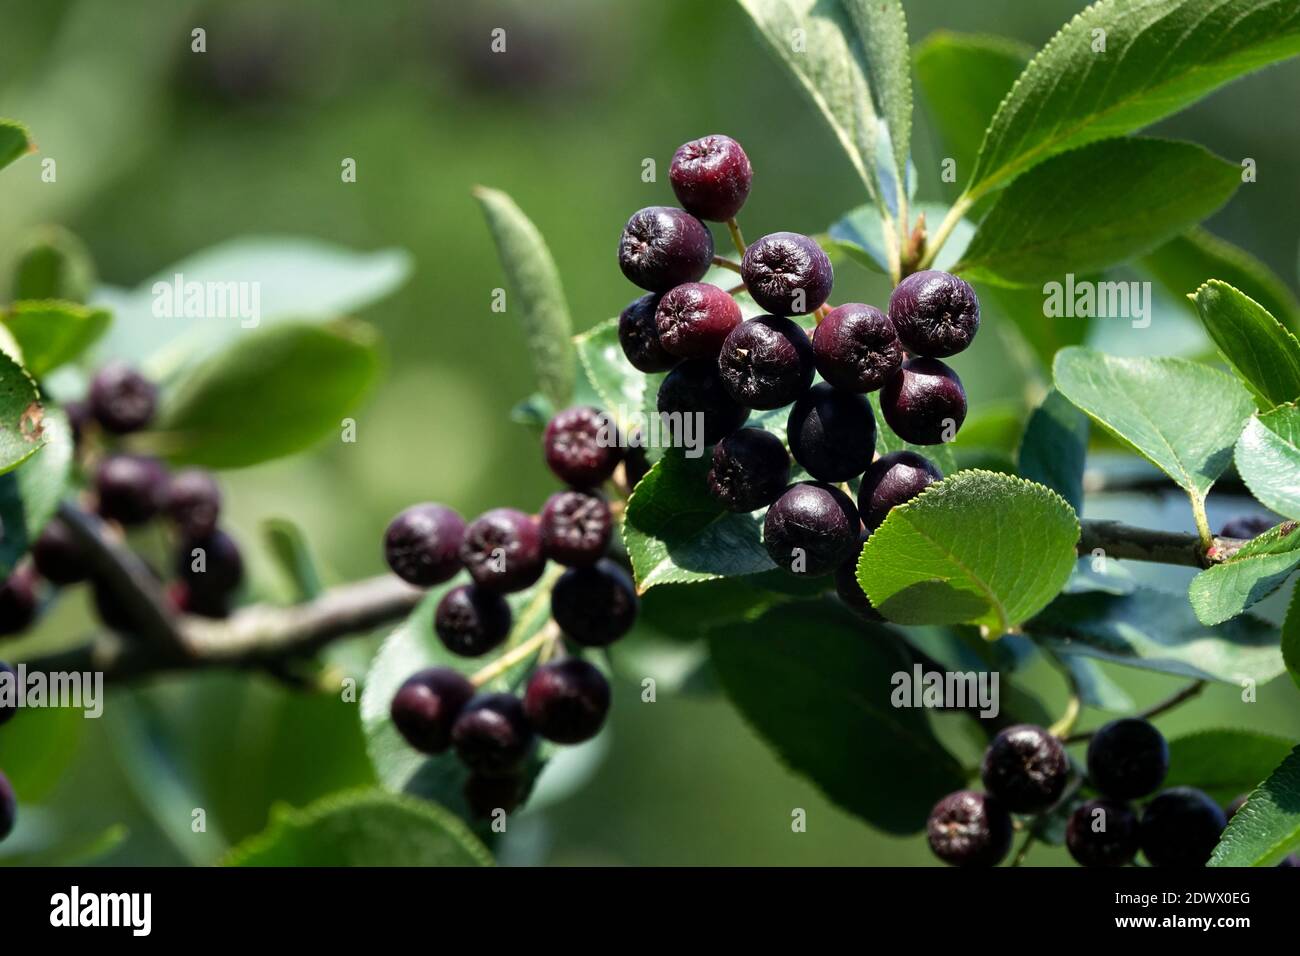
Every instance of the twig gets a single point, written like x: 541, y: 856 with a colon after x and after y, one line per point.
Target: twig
x: 1168, y: 704
x: 737, y: 239
x: 726, y: 263
x: 1122, y: 541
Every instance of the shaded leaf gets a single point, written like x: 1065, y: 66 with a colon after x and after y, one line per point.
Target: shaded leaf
x: 1225, y: 763
x: 1264, y: 353
x: 1054, y: 449
x: 53, y: 264
x: 1268, y: 826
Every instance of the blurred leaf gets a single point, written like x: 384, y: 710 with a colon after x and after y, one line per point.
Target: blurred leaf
x: 1258, y: 346
x: 858, y: 234
x: 1268, y: 826
x: 1225, y: 763
x: 1018, y: 314
x: 29, y: 495
x: 959, y: 552
x: 622, y: 388
x: 362, y: 828
x: 288, y: 546
x: 53, y: 264
x: 882, y: 33
x: 1291, y: 637
x: 1095, y: 687
x: 53, y: 333
x: 15, y: 141
x: 1249, y: 576
x: 271, y: 393
x: 37, y: 746
x: 815, y: 682
x: 534, y: 281
x: 1268, y: 458
x: 22, y: 417
x: 1055, y: 448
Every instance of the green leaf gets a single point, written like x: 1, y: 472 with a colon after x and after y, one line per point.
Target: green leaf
x: 535, y: 284
x: 362, y: 828
x: 1181, y: 416
x: 22, y: 417
x: 1054, y: 449
x: 1268, y: 458
x: 832, y: 720
x: 858, y: 234
x: 882, y: 32
x: 1224, y: 763
x: 53, y: 333
x: 1075, y: 212
x: 53, y: 264
x: 1291, y: 637
x: 1258, y: 346
x: 15, y: 141
x: 1095, y: 687
x: 886, y: 441
x: 273, y: 392
x: 1160, y: 57
x: 1249, y: 576
x: 288, y: 546
x: 964, y: 551
x: 30, y: 495
x: 1268, y: 827
x: 624, y: 391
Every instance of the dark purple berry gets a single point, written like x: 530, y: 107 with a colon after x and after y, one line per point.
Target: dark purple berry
x: 1245, y: 527
x: 787, y: 274
x: 855, y: 348
x: 934, y: 313
x: 492, y: 736
x: 129, y: 488
x: 18, y: 601
x: 750, y: 470
x: 711, y: 177
x: 502, y: 550
x: 59, y: 556
x: 193, y: 502
x: 595, y: 606
x: 850, y: 591
x: 662, y: 247
x: 811, y: 529
x: 1026, y: 768
x: 210, y: 566
x: 892, y: 480
x: 1127, y: 758
x: 487, y: 795
x: 576, y: 527
x: 581, y: 446
x: 924, y: 402
x: 567, y: 700
x: 969, y: 828
x: 1181, y: 827
x: 426, y: 706
x: 8, y: 711
x: 8, y: 807
x: 832, y: 434
x: 635, y: 466
x: 186, y: 600
x: 470, y: 621
x: 1102, y: 833
x: 79, y: 417
x: 422, y: 544
x: 695, y: 318
x: 695, y: 388
x: 766, y: 362
x: 121, y: 399
x: 638, y: 333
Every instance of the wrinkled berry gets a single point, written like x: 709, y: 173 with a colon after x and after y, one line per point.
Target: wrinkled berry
x: 662, y: 247
x: 711, y: 177
x: 1026, y: 768
x: 695, y: 318
x: 426, y: 706
x: 766, y: 362
x: 576, y: 527
x: 18, y: 601
x: 210, y: 566
x: 1127, y: 758
x: 1181, y: 827
x: 638, y: 333
x: 811, y: 528
x: 59, y: 556
x: 969, y: 828
x: 832, y: 433
x: 1244, y: 527
x: 422, y: 544
x: 581, y: 446
x: 924, y: 402
x: 695, y: 388
x: 595, y: 606
x: 750, y: 470
x: 848, y: 588
x: 129, y: 488
x: 486, y: 795
x: 856, y: 348
x: 892, y: 480
x: 192, y: 500
x: 934, y: 313
x: 8, y: 711
x: 787, y: 274
x: 471, y: 621
x: 1102, y: 833
x: 492, y: 736
x: 8, y: 807
x: 121, y: 399
x: 567, y: 700
x: 502, y: 550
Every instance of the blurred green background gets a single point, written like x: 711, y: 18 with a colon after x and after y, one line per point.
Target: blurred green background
x: 162, y: 153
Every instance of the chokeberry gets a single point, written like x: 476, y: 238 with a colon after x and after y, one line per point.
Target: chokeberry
x: 856, y: 348
x: 471, y: 621
x: 1026, y: 768
x: 486, y: 795
x: 695, y: 318
x: 638, y: 333
x: 502, y: 550
x: 210, y: 566
x: 890, y: 481
x: 8, y: 807
x: 8, y: 711
x: 422, y: 544
x: 492, y: 736
x: 59, y: 556
x: 832, y: 433
x: 924, y: 402
x: 129, y: 488
x: 711, y: 177
x: 192, y: 501
x: 766, y: 362
x: 581, y: 446
x: 694, y: 388
x: 1181, y: 827
x: 662, y: 247
x: 78, y: 412
x: 1246, y: 526
x: 1127, y: 758
x: 969, y: 828
x: 595, y: 606
x: 1102, y: 833
x: 787, y: 274
x: 186, y: 600
x: 934, y: 313
x: 121, y: 399
x: 18, y: 601
x: 811, y: 528
x: 576, y: 527
x: 567, y: 700
x: 750, y: 470
x: 848, y: 588
x: 426, y: 706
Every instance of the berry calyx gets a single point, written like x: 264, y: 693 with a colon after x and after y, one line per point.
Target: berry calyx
x: 211, y: 566
x: 1181, y: 827
x: 486, y: 795
x: 832, y: 433
x: 121, y: 399
x: 811, y: 528
x: 1127, y: 758
x: 581, y: 446
x: 492, y: 736
x: 662, y: 247
x: 426, y: 706
x: 638, y: 334
x: 1026, y: 768
x: 934, y: 313
x: 787, y: 273
x: 711, y: 177
x: 471, y: 621
x: 575, y: 526
x: 766, y: 362
x: 8, y: 807
x: 694, y: 387
x: 502, y: 550
x: 750, y: 470
x: 58, y: 555
x: 695, y: 318
x: 567, y: 700
x: 595, y: 606
x: 18, y: 601
x: 129, y: 488
x: 924, y: 402
x: 1102, y: 833
x: 856, y: 348
x: 422, y: 544
x: 969, y: 828
x: 892, y: 480
x: 192, y: 500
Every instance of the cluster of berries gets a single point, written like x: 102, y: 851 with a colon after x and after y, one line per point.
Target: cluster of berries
x: 721, y: 366
x: 593, y: 604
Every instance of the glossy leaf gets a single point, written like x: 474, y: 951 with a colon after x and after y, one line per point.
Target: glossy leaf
x: 1264, y: 353
x: 1268, y: 826
x: 1249, y: 576
x: 1268, y: 458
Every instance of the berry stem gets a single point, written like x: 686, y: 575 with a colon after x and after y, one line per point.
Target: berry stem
x: 726, y: 263
x: 736, y: 289
x: 1030, y: 837
x: 1074, y: 705
x: 1166, y: 705
x: 940, y: 236
x: 518, y: 654
x: 737, y: 239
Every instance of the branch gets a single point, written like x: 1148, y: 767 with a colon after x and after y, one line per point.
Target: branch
x: 1124, y: 541
x: 1168, y: 704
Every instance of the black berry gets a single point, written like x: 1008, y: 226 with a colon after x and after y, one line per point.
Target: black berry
x: 121, y: 399
x: 890, y: 481
x: 422, y: 544
x: 1246, y: 526
x: 426, y: 706
x: 1102, y: 833
x: 8, y: 807
x: 638, y: 333
x: 192, y: 501
x: 595, y: 606
x: 695, y: 388
x: 492, y: 736
x: 1127, y: 758
x: 576, y: 527
x: 695, y: 318
x: 832, y: 433
x: 129, y: 488
x: 471, y: 621
x: 8, y: 711
x: 59, y: 556
x: 856, y: 348
x: 1026, y: 768
x: 1181, y: 827
x: 750, y: 470
x: 848, y: 588
x: 581, y: 446
x: 766, y: 362
x: 662, y: 247
x: 969, y: 828
x: 502, y: 550
x: 567, y: 700
x: 787, y: 274
x: 934, y: 313
x: 924, y: 402
x: 18, y: 601
x: 811, y: 528
x: 210, y: 566
x: 711, y: 177
x: 486, y: 795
